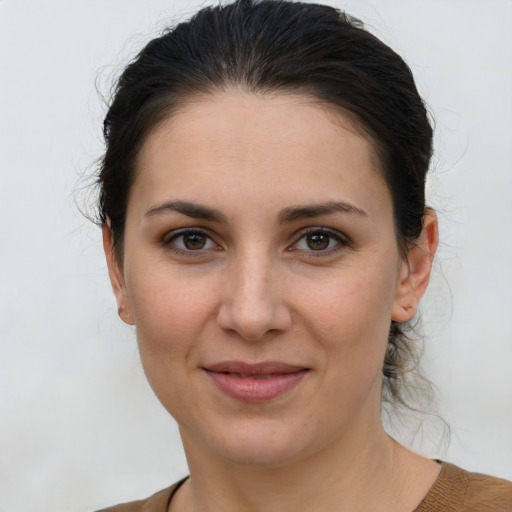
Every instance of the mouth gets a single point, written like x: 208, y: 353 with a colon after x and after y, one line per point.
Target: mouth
x: 255, y: 383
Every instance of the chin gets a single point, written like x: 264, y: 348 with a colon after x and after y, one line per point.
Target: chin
x: 261, y: 454
x: 261, y: 444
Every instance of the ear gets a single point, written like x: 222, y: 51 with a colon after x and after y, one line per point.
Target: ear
x: 415, y: 270
x: 116, y: 277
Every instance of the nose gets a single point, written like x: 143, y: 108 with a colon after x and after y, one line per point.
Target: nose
x: 253, y: 302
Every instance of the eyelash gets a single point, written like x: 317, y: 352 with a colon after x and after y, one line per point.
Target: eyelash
x: 341, y: 242
x: 169, y: 242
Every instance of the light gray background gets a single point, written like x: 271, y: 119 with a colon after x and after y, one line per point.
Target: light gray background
x: 79, y: 426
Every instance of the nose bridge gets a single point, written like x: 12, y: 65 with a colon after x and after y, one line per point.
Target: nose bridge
x: 252, y: 303
x: 253, y: 283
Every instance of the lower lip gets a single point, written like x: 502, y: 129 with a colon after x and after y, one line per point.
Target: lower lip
x: 256, y: 389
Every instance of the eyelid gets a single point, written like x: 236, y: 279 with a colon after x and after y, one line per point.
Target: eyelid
x: 342, y: 239
x: 175, y: 233
x: 168, y: 239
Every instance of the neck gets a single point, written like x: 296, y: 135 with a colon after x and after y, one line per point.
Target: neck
x: 356, y: 473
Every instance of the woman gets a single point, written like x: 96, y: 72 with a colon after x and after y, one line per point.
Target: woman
x: 265, y: 228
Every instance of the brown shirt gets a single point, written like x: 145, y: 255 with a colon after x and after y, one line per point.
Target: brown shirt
x: 455, y: 490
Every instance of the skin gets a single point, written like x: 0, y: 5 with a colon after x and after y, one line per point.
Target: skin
x: 255, y: 288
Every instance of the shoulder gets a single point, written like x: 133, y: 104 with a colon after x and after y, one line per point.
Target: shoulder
x: 457, y: 490
x: 158, y: 502
x: 488, y: 493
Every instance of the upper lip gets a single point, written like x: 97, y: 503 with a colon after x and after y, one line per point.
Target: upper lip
x: 263, y: 368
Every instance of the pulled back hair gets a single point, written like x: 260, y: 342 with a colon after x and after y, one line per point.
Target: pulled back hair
x: 270, y: 46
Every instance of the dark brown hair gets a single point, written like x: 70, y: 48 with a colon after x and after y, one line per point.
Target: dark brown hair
x: 271, y: 46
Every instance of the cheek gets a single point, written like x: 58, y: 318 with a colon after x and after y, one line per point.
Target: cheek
x: 350, y: 318
x: 170, y: 310
x: 170, y: 315
x: 358, y: 300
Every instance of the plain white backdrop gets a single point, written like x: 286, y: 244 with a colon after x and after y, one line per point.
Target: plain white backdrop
x: 79, y: 426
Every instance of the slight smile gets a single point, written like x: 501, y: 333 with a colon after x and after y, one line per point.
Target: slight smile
x: 255, y: 383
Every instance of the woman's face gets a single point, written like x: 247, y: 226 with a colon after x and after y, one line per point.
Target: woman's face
x: 262, y: 272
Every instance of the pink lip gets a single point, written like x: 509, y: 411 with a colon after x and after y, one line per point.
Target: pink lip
x: 255, y: 382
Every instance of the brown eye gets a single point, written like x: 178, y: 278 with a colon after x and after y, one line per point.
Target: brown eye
x: 318, y: 241
x: 189, y: 241
x: 194, y: 241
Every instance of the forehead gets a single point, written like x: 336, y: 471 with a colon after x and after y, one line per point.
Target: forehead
x: 284, y: 146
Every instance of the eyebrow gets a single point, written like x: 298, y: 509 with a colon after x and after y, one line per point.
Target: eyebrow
x: 193, y: 210
x: 291, y: 214
x: 295, y: 213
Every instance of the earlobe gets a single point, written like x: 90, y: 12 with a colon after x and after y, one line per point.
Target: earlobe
x: 416, y: 269
x: 116, y: 277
